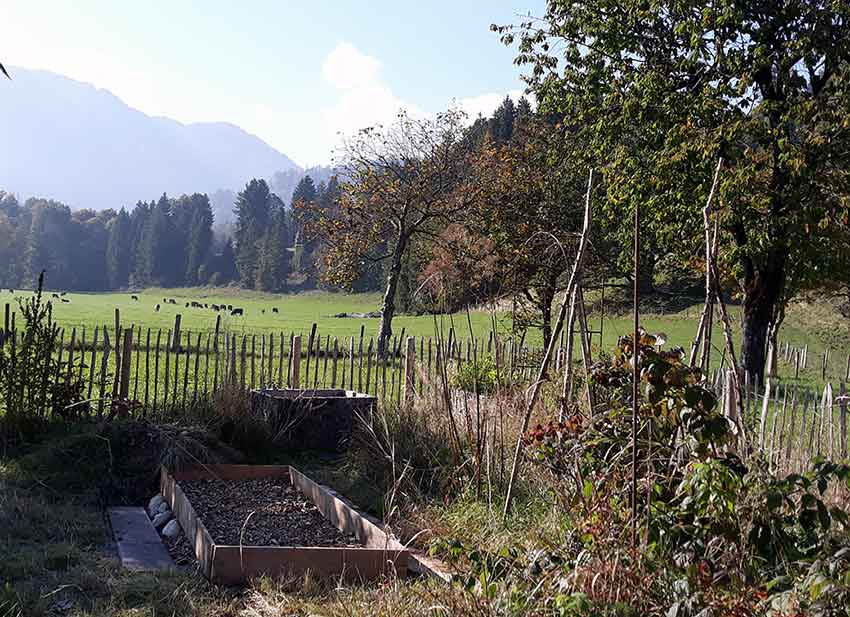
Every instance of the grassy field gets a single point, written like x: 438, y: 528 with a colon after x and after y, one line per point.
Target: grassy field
x: 816, y: 323
x: 297, y: 312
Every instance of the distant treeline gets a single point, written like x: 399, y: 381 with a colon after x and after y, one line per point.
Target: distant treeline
x: 168, y: 242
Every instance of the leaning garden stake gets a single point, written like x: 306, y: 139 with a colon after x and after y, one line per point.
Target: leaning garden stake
x: 553, y: 341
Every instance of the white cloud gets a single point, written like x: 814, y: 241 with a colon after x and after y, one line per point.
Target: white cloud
x: 363, y: 97
x: 346, y: 67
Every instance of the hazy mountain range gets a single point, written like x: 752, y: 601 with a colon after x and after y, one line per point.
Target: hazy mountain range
x: 81, y: 145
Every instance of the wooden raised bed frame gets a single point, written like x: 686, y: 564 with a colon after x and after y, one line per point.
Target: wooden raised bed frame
x: 230, y: 565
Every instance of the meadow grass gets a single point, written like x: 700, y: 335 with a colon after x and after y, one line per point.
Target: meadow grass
x: 813, y: 322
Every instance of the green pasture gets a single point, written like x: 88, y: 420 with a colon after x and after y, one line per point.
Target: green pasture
x: 816, y: 323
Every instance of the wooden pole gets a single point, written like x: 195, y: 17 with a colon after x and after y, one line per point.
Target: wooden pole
x: 126, y: 350
x: 410, y: 371
x: 295, y: 354
x: 635, y: 373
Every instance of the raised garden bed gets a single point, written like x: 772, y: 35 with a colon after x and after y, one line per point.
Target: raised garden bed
x: 312, y: 419
x: 299, y: 527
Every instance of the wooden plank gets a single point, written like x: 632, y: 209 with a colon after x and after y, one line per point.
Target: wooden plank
x: 206, y: 367
x: 138, y: 362
x: 335, y: 358
x: 103, y: 361
x: 197, y: 367
x: 369, y: 364
x: 351, y: 364
x: 175, y: 334
x: 167, y: 371
x: 410, y: 371
x: 92, y: 363
x: 842, y: 420
x: 193, y: 528
x: 147, y: 371
x: 233, y: 564
x: 295, y: 356
x: 325, y: 360
x: 156, y: 370
x: 127, y: 354
x: 253, y: 356
x: 344, y: 517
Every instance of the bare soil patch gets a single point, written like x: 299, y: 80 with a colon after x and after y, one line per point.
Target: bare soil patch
x: 261, y: 512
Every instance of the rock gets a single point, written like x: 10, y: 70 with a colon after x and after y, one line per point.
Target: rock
x: 161, y: 519
x: 163, y: 507
x: 172, y: 529
x: 153, y: 506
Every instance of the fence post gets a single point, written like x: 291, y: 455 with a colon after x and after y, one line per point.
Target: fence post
x: 175, y: 335
x: 842, y: 419
x: 296, y: 362
x: 126, y: 351
x: 730, y: 396
x: 410, y: 371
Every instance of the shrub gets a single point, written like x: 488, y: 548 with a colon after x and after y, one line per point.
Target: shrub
x: 480, y: 375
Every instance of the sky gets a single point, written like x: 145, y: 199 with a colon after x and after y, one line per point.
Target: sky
x: 296, y: 74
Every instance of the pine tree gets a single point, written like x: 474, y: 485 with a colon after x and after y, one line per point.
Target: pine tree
x: 254, y: 209
x: 199, y: 237
x: 118, y: 251
x: 273, y: 259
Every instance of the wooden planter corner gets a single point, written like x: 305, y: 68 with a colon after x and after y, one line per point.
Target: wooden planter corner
x: 230, y: 565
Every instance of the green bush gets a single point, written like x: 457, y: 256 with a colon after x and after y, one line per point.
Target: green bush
x: 480, y: 375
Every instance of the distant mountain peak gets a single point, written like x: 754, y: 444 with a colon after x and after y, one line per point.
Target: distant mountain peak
x: 71, y: 141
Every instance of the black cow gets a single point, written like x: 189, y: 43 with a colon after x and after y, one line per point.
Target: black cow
x: 263, y: 311
x: 229, y: 307
x: 156, y: 308
x: 136, y: 298
x: 274, y: 309
x: 237, y: 311
x: 65, y: 300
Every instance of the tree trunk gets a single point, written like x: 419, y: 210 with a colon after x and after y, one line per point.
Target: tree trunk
x: 385, y: 329
x: 764, y: 288
x: 546, y: 299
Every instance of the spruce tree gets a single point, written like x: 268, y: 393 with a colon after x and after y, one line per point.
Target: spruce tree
x: 118, y: 251
x: 253, y: 210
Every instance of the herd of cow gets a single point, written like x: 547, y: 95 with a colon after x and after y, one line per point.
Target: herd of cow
x: 234, y: 310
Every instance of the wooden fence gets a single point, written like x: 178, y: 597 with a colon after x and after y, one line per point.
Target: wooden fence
x: 155, y: 370
x: 158, y: 370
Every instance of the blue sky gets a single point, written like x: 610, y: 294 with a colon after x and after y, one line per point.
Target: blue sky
x: 293, y: 73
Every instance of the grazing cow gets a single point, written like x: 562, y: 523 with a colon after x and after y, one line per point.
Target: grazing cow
x: 11, y: 291
x: 172, y: 301
x: 205, y: 305
x: 263, y: 311
x: 215, y: 307
x: 187, y: 305
x: 237, y: 311
x: 165, y: 300
x: 55, y: 295
x: 274, y: 309
x: 156, y: 308
x: 63, y: 293
x: 136, y: 298
x: 65, y: 300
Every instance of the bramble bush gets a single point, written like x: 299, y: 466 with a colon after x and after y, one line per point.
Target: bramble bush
x: 719, y: 533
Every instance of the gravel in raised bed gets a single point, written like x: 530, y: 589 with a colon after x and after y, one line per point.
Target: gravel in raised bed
x: 262, y: 512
